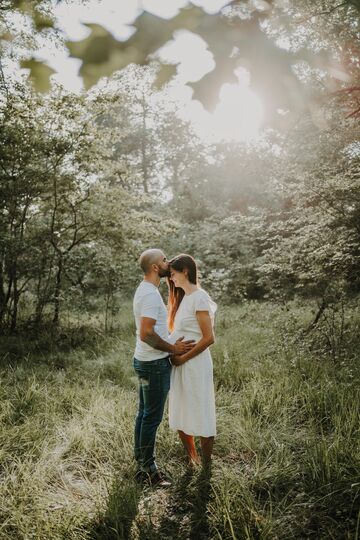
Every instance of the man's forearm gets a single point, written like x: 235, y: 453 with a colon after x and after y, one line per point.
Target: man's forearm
x: 155, y: 341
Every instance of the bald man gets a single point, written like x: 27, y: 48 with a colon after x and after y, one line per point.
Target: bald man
x: 152, y: 363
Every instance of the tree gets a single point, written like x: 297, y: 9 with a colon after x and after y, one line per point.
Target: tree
x: 136, y: 115
x: 23, y: 173
x: 46, y: 158
x: 313, y: 239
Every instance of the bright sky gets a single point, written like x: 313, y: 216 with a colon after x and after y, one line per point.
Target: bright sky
x: 238, y: 114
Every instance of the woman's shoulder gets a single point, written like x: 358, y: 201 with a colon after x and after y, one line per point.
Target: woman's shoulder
x: 199, y: 293
x: 203, y: 299
x: 203, y: 292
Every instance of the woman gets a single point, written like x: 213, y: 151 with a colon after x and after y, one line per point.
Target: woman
x: 191, y: 397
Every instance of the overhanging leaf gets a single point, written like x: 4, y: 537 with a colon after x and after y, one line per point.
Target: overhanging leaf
x: 232, y: 40
x: 165, y: 73
x: 96, y: 48
x: 40, y: 74
x: 102, y: 54
x: 207, y: 89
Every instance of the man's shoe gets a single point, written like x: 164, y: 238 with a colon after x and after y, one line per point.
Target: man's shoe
x: 157, y: 479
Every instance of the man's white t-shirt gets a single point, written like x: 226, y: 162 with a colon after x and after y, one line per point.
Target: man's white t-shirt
x: 149, y: 303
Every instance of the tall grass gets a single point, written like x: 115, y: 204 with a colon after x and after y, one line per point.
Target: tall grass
x: 286, y: 461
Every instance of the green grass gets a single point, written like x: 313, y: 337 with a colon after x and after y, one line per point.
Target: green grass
x: 286, y: 463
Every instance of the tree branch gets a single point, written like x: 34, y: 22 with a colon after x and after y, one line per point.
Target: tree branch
x: 331, y: 10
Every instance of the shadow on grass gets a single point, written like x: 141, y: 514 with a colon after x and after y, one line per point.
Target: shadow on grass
x: 187, y: 516
x: 122, y: 507
x: 199, y: 519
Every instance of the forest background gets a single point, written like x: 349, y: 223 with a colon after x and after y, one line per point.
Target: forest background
x: 89, y: 180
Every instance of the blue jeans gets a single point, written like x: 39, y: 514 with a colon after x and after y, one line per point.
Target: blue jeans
x: 154, y: 385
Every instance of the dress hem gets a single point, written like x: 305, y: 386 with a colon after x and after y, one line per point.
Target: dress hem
x: 192, y: 433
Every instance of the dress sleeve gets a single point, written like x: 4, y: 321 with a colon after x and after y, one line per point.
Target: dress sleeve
x: 150, y: 305
x: 203, y: 302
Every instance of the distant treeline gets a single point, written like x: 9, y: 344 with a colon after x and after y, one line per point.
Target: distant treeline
x: 87, y: 182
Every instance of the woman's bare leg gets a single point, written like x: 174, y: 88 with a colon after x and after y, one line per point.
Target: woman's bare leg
x: 207, y: 444
x: 189, y: 445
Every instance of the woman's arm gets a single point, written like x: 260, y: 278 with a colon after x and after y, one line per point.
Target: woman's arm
x: 207, y: 339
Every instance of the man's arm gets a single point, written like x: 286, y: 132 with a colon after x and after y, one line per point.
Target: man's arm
x: 149, y: 336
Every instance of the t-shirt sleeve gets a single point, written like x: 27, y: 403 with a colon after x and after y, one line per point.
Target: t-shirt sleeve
x: 203, y: 302
x: 149, y: 306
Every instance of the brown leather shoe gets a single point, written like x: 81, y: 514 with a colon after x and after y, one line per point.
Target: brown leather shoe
x: 157, y: 479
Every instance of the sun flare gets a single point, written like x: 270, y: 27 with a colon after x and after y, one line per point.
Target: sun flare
x: 237, y: 117
x: 239, y: 113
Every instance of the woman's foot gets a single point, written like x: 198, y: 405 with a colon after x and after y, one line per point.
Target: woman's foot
x: 207, y: 444
x: 206, y: 466
x: 193, y: 459
x: 193, y: 462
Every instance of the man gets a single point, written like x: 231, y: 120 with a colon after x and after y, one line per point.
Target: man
x: 152, y: 363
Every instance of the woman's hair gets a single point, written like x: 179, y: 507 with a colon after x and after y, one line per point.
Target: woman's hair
x: 176, y: 294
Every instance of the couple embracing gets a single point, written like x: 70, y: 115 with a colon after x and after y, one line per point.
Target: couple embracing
x: 172, y: 357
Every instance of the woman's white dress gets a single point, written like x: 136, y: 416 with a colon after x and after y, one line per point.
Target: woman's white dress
x: 191, y: 396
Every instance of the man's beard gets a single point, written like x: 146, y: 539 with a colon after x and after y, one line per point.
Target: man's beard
x: 164, y: 273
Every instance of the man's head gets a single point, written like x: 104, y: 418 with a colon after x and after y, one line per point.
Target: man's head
x: 154, y: 261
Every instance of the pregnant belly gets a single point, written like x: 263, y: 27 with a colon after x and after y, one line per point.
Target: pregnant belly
x: 176, y: 334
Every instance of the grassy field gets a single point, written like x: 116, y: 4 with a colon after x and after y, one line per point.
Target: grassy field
x: 286, y: 463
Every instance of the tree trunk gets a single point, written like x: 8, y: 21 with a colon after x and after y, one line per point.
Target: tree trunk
x: 107, y: 312
x: 143, y: 151
x: 39, y: 302
x: 2, y: 295
x: 16, y: 296
x: 175, y: 180
x: 42, y: 290
x: 57, y: 291
x: 321, y: 310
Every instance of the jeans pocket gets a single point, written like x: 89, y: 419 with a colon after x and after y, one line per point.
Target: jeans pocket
x: 143, y: 375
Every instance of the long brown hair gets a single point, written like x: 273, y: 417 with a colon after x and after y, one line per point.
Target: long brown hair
x: 176, y: 294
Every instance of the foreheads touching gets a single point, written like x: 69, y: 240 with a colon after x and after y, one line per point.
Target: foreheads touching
x: 183, y: 264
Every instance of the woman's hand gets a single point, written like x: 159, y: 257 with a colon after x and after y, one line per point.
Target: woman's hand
x: 178, y: 360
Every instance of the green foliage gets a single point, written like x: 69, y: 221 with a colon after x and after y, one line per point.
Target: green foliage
x: 265, y: 221
x: 312, y: 240
x: 67, y: 229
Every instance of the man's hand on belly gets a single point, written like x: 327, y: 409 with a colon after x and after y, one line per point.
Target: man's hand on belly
x: 149, y: 336
x: 181, y: 347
